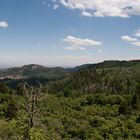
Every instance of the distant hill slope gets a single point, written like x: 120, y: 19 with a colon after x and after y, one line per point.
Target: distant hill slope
x: 110, y: 64
x: 29, y: 71
x: 108, y: 77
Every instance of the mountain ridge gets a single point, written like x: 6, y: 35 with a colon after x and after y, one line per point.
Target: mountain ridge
x: 32, y: 70
x: 36, y: 70
x: 107, y: 77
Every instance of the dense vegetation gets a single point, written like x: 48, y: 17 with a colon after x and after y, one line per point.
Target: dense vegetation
x: 93, y: 103
x: 101, y: 78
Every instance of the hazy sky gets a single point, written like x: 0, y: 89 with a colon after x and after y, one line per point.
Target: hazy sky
x: 68, y: 32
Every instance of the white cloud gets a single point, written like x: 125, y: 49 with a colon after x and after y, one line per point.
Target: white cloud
x: 137, y: 43
x: 137, y: 33
x: 132, y: 41
x: 128, y: 38
x: 87, y: 14
x: 103, y: 8
x: 74, y: 48
x: 78, y: 43
x: 3, y: 24
x: 56, y: 6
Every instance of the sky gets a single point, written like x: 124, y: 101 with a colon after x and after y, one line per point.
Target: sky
x: 68, y: 32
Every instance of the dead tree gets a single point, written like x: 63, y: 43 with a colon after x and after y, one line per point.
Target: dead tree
x: 32, y: 97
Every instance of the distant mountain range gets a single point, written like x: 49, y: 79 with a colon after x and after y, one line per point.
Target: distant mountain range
x: 33, y: 72
x: 13, y: 76
x: 30, y: 71
x: 38, y: 71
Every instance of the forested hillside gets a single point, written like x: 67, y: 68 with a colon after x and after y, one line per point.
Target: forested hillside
x: 95, y: 102
x: 120, y: 77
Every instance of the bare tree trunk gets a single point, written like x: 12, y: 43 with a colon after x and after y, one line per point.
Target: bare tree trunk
x: 31, y: 100
x: 26, y: 135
